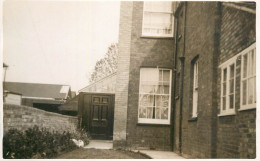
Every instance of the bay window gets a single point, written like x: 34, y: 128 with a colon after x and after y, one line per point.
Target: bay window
x: 154, y: 96
x: 157, y: 19
x: 228, y: 88
x: 248, y: 78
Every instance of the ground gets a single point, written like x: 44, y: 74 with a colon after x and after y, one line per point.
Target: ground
x: 82, y: 153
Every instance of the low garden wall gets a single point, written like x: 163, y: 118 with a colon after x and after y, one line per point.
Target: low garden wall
x: 24, y: 117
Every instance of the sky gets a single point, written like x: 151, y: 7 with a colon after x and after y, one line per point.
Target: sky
x: 57, y: 42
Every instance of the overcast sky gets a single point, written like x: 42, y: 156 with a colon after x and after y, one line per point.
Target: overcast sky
x: 57, y: 42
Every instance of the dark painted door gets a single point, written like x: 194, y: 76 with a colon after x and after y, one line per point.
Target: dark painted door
x: 101, y: 112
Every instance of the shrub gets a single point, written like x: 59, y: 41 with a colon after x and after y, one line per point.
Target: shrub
x: 81, y: 134
x: 36, y: 143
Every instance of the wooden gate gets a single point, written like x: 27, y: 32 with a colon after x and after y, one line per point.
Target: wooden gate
x: 96, y: 114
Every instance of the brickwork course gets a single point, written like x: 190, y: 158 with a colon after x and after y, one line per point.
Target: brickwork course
x: 24, y: 117
x: 211, y: 33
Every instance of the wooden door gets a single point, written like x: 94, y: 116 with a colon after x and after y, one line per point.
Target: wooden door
x: 101, y: 117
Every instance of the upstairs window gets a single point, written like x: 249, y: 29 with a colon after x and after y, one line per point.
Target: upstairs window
x: 154, y: 96
x: 195, y: 89
x: 248, y: 78
x: 157, y: 19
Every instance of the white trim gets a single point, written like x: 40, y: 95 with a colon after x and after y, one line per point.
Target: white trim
x: 235, y: 57
x: 156, y: 121
x: 228, y: 110
x: 247, y: 108
x: 157, y: 35
x: 253, y: 105
x: 239, y: 7
x: 227, y: 114
x: 195, y: 89
x: 42, y: 98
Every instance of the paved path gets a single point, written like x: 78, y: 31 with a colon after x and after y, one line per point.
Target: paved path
x: 108, y: 144
x: 161, y: 154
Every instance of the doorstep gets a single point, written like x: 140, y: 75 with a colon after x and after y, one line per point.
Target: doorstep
x: 100, y: 144
x: 161, y: 154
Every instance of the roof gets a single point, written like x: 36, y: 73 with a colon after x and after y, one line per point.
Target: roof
x: 54, y: 91
x: 244, y: 6
x: 70, y: 105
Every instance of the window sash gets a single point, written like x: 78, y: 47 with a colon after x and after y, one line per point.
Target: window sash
x: 228, y: 74
x: 195, y: 90
x: 155, y: 23
x: 156, y: 108
x: 248, y: 79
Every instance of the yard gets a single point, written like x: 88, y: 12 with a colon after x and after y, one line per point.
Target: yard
x: 82, y: 153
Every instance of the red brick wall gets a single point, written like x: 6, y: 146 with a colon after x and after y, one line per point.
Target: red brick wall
x: 24, y: 117
x: 146, y: 52
x: 200, y: 33
x: 236, y: 134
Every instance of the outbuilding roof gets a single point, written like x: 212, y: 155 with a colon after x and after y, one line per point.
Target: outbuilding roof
x: 35, y: 90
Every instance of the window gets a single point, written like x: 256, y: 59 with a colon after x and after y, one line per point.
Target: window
x: 248, y: 78
x: 154, y: 96
x: 157, y: 19
x: 228, y: 88
x: 195, y: 89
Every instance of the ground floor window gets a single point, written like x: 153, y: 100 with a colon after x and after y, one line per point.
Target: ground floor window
x: 248, y: 78
x: 154, y: 96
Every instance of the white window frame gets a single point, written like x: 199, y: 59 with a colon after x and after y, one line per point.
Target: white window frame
x: 157, y: 35
x: 246, y: 52
x: 156, y: 121
x: 195, y: 92
x: 228, y: 110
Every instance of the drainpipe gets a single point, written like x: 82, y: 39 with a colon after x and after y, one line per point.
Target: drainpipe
x: 182, y: 58
x: 174, y: 86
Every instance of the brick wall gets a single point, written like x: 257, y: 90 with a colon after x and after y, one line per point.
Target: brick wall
x: 236, y: 134
x: 121, y: 96
x: 197, y: 35
x: 146, y: 52
x: 23, y: 117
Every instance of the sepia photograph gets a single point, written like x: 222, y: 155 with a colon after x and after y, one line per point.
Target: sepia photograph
x: 128, y: 79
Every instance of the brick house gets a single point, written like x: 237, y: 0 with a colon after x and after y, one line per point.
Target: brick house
x: 186, y: 78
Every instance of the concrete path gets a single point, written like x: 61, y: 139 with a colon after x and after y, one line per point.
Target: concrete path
x: 161, y: 154
x: 100, y: 144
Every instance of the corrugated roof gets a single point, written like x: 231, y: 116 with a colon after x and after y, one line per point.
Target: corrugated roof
x: 37, y: 90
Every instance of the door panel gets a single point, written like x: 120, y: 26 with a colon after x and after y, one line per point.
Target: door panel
x: 101, y: 113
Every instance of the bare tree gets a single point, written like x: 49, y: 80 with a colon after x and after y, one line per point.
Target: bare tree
x: 106, y: 65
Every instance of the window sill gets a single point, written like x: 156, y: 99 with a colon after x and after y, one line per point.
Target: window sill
x: 193, y: 119
x: 157, y: 37
x: 227, y: 114
x: 247, y: 108
x: 152, y: 124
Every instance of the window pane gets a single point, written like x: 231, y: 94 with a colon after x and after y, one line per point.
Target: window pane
x: 160, y: 75
x: 244, y: 84
x: 245, y: 66
x: 149, y: 74
x: 158, y: 101
x: 231, y: 101
x: 146, y: 100
x: 255, y: 89
x: 251, y: 63
x: 166, y: 75
x: 164, y: 113
x: 165, y: 100
x: 158, y: 6
x: 231, y: 86
x: 251, y: 90
x: 224, y: 103
x: 149, y: 112
x: 157, y: 23
x: 147, y: 89
x: 157, y: 113
x: 142, y: 112
x: 159, y: 90
x: 225, y: 75
x: 224, y: 89
x: 166, y: 89
x: 232, y: 71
